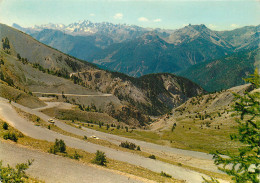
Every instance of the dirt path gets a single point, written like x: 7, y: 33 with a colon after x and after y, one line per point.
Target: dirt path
x: 60, y: 105
x: 52, y: 168
x: 75, y: 95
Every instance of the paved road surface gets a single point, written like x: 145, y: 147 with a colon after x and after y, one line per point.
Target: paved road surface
x: 11, y: 116
x: 51, y: 168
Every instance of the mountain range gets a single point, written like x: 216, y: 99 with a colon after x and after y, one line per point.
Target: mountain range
x: 137, y: 51
x: 29, y: 65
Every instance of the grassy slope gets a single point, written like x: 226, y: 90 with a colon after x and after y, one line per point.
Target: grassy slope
x: 206, y: 122
x: 19, y: 96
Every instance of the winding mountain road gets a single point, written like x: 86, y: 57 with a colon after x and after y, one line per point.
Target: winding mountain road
x: 192, y: 158
x: 8, y: 114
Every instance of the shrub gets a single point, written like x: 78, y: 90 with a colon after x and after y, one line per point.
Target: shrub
x: 152, y: 157
x: 5, y: 126
x: 76, y: 156
x: 165, y: 174
x: 129, y: 145
x: 100, y: 158
x: 19, y: 56
x: 11, y: 136
x: 138, y: 148
x: 6, y: 44
x: 17, y: 174
x: 52, y: 150
x: 173, y: 127
x: 59, y: 146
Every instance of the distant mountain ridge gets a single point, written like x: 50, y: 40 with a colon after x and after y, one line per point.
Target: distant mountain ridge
x: 137, y: 51
x: 226, y: 72
x: 117, y: 32
x: 152, y: 54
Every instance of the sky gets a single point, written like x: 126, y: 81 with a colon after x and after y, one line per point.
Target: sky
x: 166, y: 14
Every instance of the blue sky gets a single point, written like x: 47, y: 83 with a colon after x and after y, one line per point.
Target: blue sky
x: 169, y: 14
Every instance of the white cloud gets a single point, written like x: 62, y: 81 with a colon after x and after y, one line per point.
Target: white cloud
x: 92, y: 14
x: 118, y: 16
x: 157, y: 20
x: 234, y: 26
x: 143, y: 19
x: 212, y: 26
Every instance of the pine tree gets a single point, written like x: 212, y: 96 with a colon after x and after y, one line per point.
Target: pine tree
x: 100, y: 158
x: 245, y: 167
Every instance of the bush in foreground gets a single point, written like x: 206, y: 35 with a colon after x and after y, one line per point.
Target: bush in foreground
x: 130, y: 145
x: 75, y: 156
x: 59, y: 146
x: 5, y: 126
x: 11, y: 136
x: 17, y: 174
x: 152, y: 157
x: 100, y: 158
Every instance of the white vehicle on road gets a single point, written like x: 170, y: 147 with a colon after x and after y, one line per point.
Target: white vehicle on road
x: 51, y: 121
x: 94, y: 137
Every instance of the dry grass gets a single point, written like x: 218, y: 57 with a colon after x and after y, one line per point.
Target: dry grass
x: 196, y: 135
x: 19, y: 96
x: 205, y: 124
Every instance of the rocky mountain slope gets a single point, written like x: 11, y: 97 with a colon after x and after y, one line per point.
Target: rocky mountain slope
x: 33, y: 66
x: 247, y: 37
x: 152, y: 54
x: 78, y: 46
